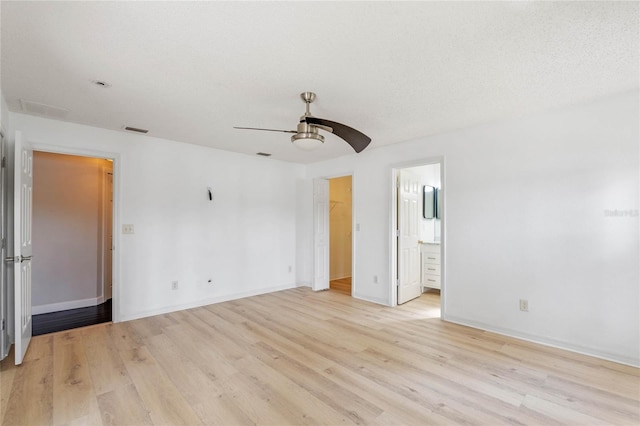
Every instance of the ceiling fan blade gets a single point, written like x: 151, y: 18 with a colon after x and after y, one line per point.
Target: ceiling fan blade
x: 358, y: 140
x: 267, y: 130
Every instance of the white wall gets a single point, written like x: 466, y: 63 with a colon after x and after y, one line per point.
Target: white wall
x: 244, y: 240
x: 304, y: 238
x: 525, y: 213
x: 4, y: 114
x: 67, y: 231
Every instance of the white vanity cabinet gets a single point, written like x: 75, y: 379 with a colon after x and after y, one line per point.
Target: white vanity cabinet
x: 430, y: 254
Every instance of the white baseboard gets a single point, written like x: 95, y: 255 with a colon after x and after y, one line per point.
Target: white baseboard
x: 65, y: 306
x: 375, y: 300
x: 202, y: 302
x: 594, y: 352
x: 304, y: 284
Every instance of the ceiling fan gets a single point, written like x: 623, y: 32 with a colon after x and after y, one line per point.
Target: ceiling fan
x: 307, y: 136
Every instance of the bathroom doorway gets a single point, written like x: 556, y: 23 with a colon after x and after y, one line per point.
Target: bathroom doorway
x: 418, y: 218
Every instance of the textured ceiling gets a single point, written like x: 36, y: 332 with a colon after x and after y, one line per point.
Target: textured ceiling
x: 190, y: 71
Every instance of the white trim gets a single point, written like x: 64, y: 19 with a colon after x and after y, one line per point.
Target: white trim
x: 204, y: 302
x: 104, y: 213
x: 304, y: 284
x: 594, y: 352
x: 376, y: 300
x: 64, y: 306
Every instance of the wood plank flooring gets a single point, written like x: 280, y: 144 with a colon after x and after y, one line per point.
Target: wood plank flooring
x: 297, y: 357
x: 343, y: 285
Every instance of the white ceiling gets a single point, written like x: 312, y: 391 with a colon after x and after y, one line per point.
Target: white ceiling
x: 190, y: 71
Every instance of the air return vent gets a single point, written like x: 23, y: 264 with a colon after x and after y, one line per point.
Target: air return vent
x: 263, y: 154
x: 44, y: 110
x: 135, y: 129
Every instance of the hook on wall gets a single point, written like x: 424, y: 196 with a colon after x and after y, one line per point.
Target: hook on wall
x: 210, y: 193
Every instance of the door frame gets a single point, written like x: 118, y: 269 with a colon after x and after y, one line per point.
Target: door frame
x: 103, y: 230
x: 393, y: 226
x: 353, y: 229
x: 115, y: 258
x: 5, y: 336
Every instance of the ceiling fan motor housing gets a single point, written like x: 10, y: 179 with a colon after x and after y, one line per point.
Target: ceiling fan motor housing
x: 307, y: 136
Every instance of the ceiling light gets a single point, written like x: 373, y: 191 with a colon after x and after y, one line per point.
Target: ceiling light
x: 307, y: 137
x: 307, y: 143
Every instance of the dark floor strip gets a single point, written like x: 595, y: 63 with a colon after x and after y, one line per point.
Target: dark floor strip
x: 72, y: 318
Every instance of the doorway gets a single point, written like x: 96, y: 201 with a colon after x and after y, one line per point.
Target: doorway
x: 72, y: 241
x: 418, y: 218
x: 340, y: 234
x: 344, y: 248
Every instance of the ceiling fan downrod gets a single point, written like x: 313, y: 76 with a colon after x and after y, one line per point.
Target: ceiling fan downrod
x: 307, y: 136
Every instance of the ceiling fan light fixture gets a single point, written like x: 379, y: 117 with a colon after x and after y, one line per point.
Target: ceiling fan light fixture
x: 307, y: 141
x: 306, y: 136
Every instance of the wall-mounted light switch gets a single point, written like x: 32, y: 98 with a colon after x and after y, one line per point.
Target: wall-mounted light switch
x: 127, y: 229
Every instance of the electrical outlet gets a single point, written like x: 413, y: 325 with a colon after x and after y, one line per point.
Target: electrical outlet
x: 524, y: 305
x: 174, y: 285
x: 127, y: 229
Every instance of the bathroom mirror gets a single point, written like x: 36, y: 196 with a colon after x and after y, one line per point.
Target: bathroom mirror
x: 428, y: 202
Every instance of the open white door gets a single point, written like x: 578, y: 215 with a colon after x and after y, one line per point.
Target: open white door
x: 22, y: 202
x: 408, y: 247
x: 320, y: 235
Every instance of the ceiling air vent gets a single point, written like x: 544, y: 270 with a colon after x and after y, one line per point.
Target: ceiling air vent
x: 263, y: 154
x: 44, y: 110
x: 135, y: 129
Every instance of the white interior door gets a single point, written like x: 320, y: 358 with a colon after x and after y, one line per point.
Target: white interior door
x: 408, y: 247
x: 321, y: 235
x: 4, y: 291
x: 23, y: 196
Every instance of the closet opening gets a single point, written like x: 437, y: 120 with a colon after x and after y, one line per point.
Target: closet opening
x: 340, y: 234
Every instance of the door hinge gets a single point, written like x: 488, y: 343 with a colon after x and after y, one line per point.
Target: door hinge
x: 2, y: 326
x: 4, y: 162
x: 4, y: 243
x: 397, y: 232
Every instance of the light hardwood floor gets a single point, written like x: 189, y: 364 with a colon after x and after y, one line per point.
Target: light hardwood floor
x: 299, y: 357
x: 343, y: 285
